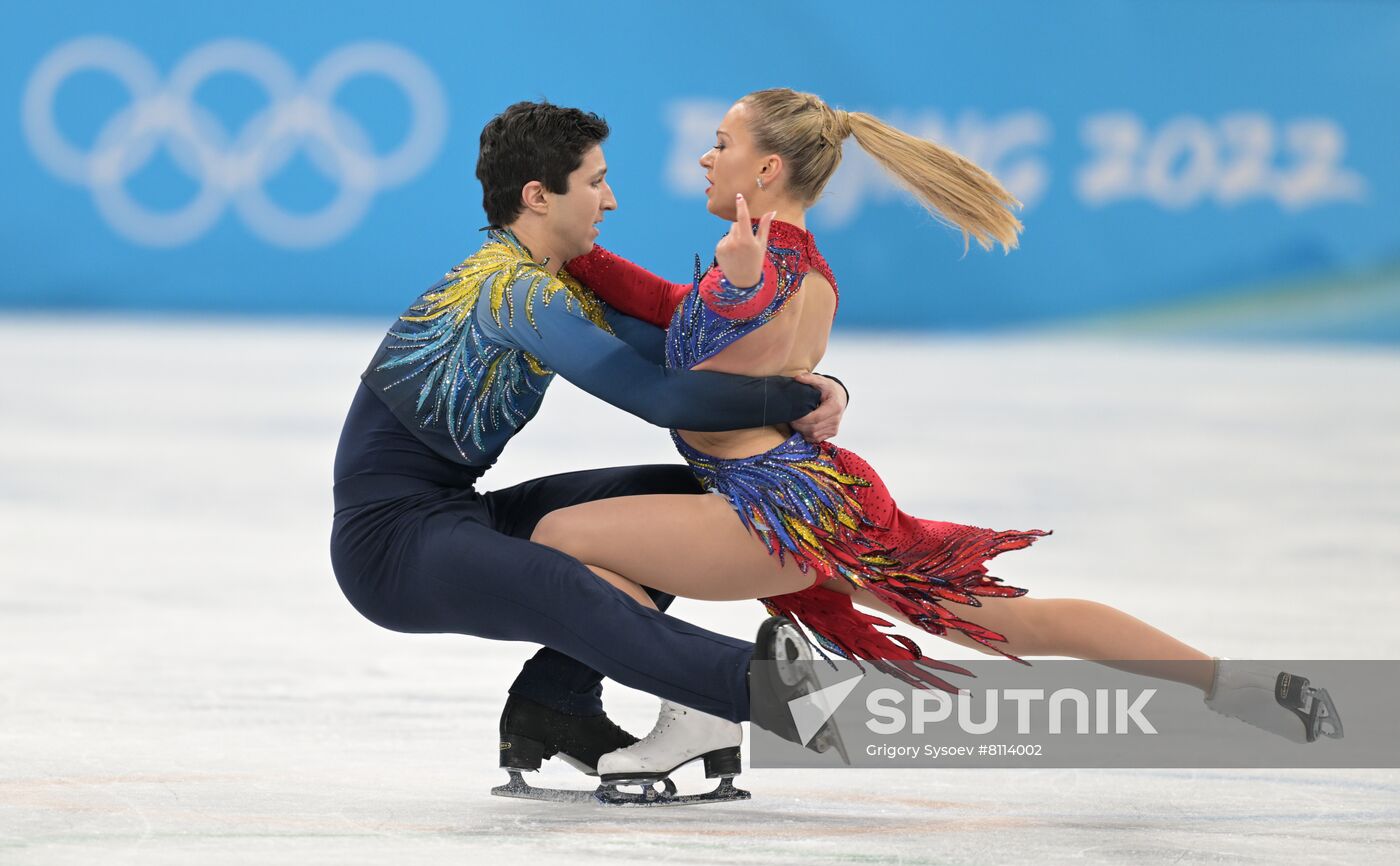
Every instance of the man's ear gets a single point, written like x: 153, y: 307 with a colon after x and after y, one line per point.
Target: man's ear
x: 534, y: 197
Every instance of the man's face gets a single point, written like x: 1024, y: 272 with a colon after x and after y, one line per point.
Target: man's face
x: 574, y: 215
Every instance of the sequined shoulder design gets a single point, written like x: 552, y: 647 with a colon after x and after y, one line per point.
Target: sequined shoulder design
x: 438, y: 370
x: 698, y: 330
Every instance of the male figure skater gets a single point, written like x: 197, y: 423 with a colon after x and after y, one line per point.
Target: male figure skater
x: 416, y: 548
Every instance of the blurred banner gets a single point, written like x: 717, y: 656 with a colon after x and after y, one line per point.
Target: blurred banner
x: 1220, y: 166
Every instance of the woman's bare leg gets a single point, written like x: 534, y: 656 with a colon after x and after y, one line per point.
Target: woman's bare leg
x: 687, y: 545
x: 630, y: 587
x: 1074, y: 628
x: 696, y: 547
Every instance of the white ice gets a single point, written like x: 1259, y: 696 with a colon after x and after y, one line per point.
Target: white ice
x: 181, y: 680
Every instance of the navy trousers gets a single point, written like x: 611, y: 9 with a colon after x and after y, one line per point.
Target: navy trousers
x: 418, y: 557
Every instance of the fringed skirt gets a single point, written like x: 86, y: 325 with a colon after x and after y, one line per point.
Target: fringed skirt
x: 827, y: 510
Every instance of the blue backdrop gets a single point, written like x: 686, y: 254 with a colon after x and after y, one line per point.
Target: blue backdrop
x: 318, y: 158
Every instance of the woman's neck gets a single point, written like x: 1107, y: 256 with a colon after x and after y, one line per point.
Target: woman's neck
x: 788, y: 210
x: 793, y: 215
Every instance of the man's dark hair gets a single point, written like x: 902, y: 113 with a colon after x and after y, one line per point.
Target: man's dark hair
x: 532, y: 141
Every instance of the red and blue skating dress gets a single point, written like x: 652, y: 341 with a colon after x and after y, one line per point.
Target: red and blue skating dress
x: 820, y: 505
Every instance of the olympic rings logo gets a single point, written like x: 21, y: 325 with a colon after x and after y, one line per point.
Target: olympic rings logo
x: 232, y: 169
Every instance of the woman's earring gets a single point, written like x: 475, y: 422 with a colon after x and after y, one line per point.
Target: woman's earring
x: 760, y: 183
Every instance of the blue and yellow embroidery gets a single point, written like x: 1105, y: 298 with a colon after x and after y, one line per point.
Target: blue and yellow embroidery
x: 466, y: 382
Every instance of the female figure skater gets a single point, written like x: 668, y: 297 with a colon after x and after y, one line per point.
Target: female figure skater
x: 809, y: 528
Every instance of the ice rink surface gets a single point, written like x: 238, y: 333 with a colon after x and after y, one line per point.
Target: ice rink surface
x: 182, y: 682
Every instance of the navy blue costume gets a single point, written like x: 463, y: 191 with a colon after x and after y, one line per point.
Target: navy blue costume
x: 416, y: 548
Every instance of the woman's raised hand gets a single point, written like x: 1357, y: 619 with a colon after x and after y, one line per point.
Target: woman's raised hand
x: 740, y: 253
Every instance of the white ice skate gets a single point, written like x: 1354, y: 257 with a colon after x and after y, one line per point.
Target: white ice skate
x: 681, y: 735
x: 1274, y: 700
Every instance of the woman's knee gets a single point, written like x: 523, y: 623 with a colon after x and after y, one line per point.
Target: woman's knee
x: 1023, y: 621
x: 1052, y: 626
x: 560, y: 530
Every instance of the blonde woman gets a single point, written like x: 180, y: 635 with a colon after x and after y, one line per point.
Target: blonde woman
x: 810, y: 528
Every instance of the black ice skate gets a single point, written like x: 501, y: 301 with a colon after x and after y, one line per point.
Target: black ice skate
x: 1277, y: 701
x: 532, y: 734
x: 783, y: 671
x: 1313, y: 706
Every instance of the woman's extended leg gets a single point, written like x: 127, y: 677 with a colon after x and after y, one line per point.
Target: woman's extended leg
x: 693, y: 546
x: 1075, y: 628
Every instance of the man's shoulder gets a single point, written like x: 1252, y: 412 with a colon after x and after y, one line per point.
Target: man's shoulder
x: 505, y: 290
x: 522, y: 297
x: 492, y: 268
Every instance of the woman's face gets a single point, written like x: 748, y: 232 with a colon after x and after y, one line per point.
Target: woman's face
x: 732, y: 165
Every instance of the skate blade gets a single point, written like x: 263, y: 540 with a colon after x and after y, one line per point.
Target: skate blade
x: 1322, y: 716
x: 827, y: 738
x: 615, y: 779
x: 519, y: 789
x: 1312, y: 705
x: 725, y: 792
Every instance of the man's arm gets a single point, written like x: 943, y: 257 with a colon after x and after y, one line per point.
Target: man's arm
x: 647, y: 339
x: 819, y: 425
x: 556, y: 332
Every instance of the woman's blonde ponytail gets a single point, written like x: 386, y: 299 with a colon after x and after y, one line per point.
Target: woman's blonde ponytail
x: 808, y: 134
x: 954, y: 189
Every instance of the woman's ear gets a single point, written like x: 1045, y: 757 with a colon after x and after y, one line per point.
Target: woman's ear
x: 771, y: 169
x: 533, y: 196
